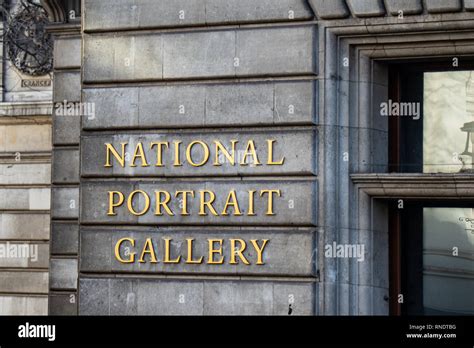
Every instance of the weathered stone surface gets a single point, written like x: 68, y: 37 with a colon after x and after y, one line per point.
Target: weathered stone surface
x: 30, y: 255
x: 67, y: 87
x: 469, y: 5
x: 366, y: 8
x: 286, y: 146
x: 66, y: 129
x: 129, y: 14
x: 63, y: 274
x: 67, y: 52
x: 270, y: 103
x: 226, y: 53
x: 25, y: 174
x: 63, y: 304
x: 407, y: 7
x: 24, y: 282
x: 295, y: 206
x: 25, y: 199
x: 199, y: 297
x: 436, y: 6
x: 18, y: 138
x: 65, y: 166
x: 28, y: 226
x: 64, y: 238
x: 65, y: 203
x: 287, y: 252
x: 330, y: 9
x: 23, y: 305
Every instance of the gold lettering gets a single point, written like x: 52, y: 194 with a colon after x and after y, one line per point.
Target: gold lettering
x: 117, y: 250
x: 189, y: 154
x: 237, y: 252
x: 221, y: 148
x: 167, y: 253
x: 208, y: 203
x: 232, y: 201
x: 148, y: 249
x: 112, y: 204
x: 177, y: 161
x: 120, y: 158
x: 270, y: 199
x: 139, y: 153
x: 213, y: 251
x: 259, y: 249
x: 163, y: 204
x: 185, y: 194
x: 130, y: 203
x: 159, y: 151
x: 270, y: 155
x: 251, y: 211
x: 190, y: 253
x: 250, y: 151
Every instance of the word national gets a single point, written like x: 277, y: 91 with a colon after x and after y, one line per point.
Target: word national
x: 196, y: 153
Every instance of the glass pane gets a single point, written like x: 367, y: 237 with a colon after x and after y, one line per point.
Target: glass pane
x: 448, y: 104
x: 448, y: 261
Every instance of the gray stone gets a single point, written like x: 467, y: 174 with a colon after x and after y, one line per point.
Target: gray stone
x: 23, y: 305
x: 33, y: 255
x: 66, y: 130
x: 224, y: 104
x: 65, y: 201
x: 439, y: 6
x: 296, y: 206
x: 67, y: 87
x: 65, y: 166
x: 406, y: 7
x: 286, y: 146
x: 63, y: 304
x: 198, y: 297
x: 25, y: 198
x: 116, y: 58
x: 63, y: 274
x: 286, y: 51
x: 330, y: 9
x: 67, y: 52
x: 23, y: 173
x: 366, y: 8
x: 129, y: 14
x: 64, y: 238
x: 287, y: 252
x: 226, y: 53
x: 469, y: 5
x: 28, y: 282
x: 28, y: 226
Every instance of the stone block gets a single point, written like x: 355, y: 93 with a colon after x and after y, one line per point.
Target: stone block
x: 30, y: 282
x: 330, y: 9
x: 440, y: 6
x: 25, y: 255
x: 65, y: 166
x: 295, y: 206
x: 366, y: 8
x: 64, y: 238
x: 21, y: 173
x: 28, y: 226
x: 406, y: 7
x: 66, y: 130
x: 63, y: 274
x: 23, y: 305
x: 65, y: 203
x: 67, y: 87
x: 129, y: 14
x: 285, y: 148
x: 25, y: 199
x: 63, y: 304
x: 18, y: 138
x: 67, y: 52
x: 287, y: 252
x: 199, y: 297
x: 270, y: 103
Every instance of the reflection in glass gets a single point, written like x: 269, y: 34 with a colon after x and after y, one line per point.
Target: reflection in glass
x: 448, y: 261
x: 448, y: 122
